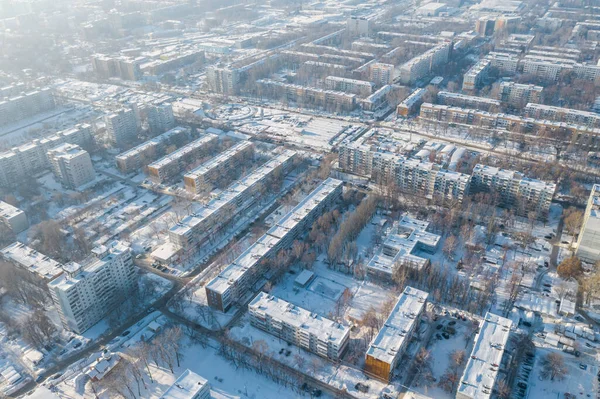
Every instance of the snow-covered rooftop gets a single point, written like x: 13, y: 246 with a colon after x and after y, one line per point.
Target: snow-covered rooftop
x: 389, y: 343
x: 32, y: 260
x: 482, y: 367
x: 187, y: 386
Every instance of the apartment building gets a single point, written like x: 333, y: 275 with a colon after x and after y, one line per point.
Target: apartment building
x: 126, y: 68
x: 188, y: 385
x: 356, y: 157
x: 204, y: 176
x: 298, y: 326
x: 147, y: 152
x: 25, y: 105
x: 475, y: 76
x: 465, y: 101
x: 513, y: 189
x: 506, y: 64
x: 545, y: 69
x: 581, y: 136
x: 393, y: 338
x: 39, y: 265
x: 381, y: 74
x: 411, y: 103
x: 481, y: 372
x: 85, y: 293
x: 13, y: 217
x: 223, y: 80
x: 560, y: 114
x: 308, y: 96
x: 377, y: 99
x: 406, y: 238
x: 194, y: 230
x: 169, y: 166
x: 360, y: 87
x: 588, y: 243
x: 160, y: 117
x: 517, y: 95
x: 71, y: 165
x: 422, y: 65
x: 357, y: 26
x: 237, y: 280
x: 121, y: 127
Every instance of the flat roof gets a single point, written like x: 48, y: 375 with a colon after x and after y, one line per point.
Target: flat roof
x: 154, y: 141
x: 482, y: 367
x: 218, y: 160
x: 202, y: 141
x: 398, y: 326
x: 187, y: 386
x: 324, y: 329
x: 32, y: 260
x: 8, y: 211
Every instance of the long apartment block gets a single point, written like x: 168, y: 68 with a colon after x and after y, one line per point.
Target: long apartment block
x: 582, y: 136
x: 462, y: 100
x: 32, y: 157
x: 87, y: 291
x: 39, y: 265
x: 13, y: 217
x: 194, y: 230
x: 239, y: 278
x: 147, y: 152
x: 514, y: 188
x: 588, y: 243
x: 518, y: 95
x: 299, y: 326
x: 204, y: 176
x: 167, y: 167
x: 481, y: 372
x: 389, y: 345
x: 560, y: 114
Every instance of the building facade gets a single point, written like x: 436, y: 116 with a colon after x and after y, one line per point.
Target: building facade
x: 13, y: 217
x: 71, y: 165
x: 588, y: 243
x: 121, y: 127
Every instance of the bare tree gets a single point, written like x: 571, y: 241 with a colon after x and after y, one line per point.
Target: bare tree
x: 554, y: 367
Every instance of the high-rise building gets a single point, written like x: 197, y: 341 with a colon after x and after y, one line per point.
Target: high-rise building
x: 588, y: 244
x: 298, y: 326
x: 121, y: 127
x: 25, y: 105
x: 223, y: 80
x: 389, y: 344
x: 85, y: 293
x: 381, y: 74
x: 160, y: 118
x: 357, y: 26
x: 71, y: 165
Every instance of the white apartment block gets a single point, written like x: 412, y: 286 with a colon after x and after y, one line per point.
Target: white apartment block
x: 463, y: 100
x: 516, y: 94
x: 194, y: 230
x: 513, y: 188
x: 204, y: 176
x: 239, y: 278
x: 357, y: 26
x: 481, y: 372
x: 475, y: 76
x: 412, y: 102
x: 381, y: 74
x: 85, y: 293
x: 545, y: 69
x: 188, y: 385
x: 356, y: 157
x: 223, y: 80
x: 147, y: 152
x: 121, y: 126
x: 588, y: 244
x: 25, y: 105
x: 169, y: 166
x: 26, y: 258
x: 310, y: 96
x: 393, y: 338
x: 360, y: 87
x: 406, y: 238
x: 422, y: 65
x: 32, y: 157
x: 298, y: 326
x: 160, y: 117
x: 13, y: 217
x: 71, y: 165
x: 507, y: 64
x: 560, y: 114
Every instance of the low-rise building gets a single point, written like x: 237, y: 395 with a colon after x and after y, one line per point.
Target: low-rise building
x: 169, y: 166
x: 518, y: 95
x: 588, y: 243
x: 560, y: 114
x: 299, y: 326
x: 463, y: 100
x: 204, y: 176
x: 71, y: 165
x: 360, y: 87
x: 13, y: 217
x: 475, y: 76
x: 389, y: 344
x: 239, y: 278
x: 481, y: 372
x: 39, y: 265
x: 411, y: 103
x: 188, y: 385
